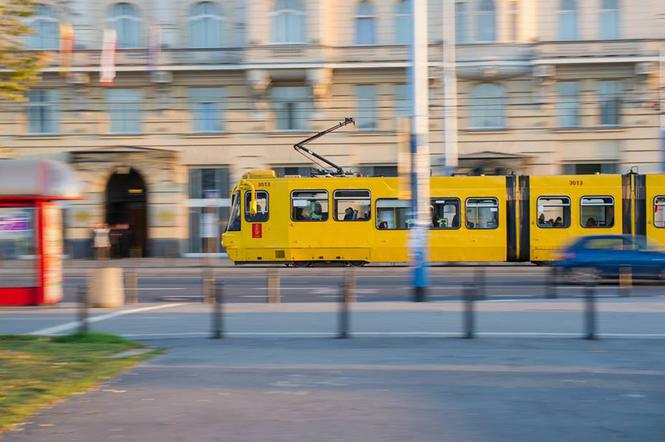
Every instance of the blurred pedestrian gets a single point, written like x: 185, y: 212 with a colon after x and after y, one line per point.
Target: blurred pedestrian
x: 101, y: 241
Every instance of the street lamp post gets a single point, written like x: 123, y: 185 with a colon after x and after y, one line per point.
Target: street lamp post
x: 420, y: 159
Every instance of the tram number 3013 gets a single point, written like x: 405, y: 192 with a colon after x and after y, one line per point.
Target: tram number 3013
x: 576, y: 182
x: 264, y: 184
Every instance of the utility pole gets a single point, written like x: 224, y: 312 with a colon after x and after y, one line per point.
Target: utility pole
x: 420, y: 159
x: 449, y: 89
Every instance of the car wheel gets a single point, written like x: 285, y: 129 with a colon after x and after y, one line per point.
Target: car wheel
x: 584, y: 275
x: 661, y: 274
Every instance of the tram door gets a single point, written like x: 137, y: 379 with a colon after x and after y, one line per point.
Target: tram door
x: 650, y: 207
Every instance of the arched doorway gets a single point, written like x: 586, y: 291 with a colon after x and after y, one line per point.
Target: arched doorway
x: 127, y: 214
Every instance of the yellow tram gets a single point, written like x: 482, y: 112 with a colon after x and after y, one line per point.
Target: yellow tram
x: 349, y: 219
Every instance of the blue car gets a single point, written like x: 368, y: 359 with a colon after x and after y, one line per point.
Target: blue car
x: 592, y: 258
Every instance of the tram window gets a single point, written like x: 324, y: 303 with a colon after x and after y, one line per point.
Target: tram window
x: 261, y: 214
x: 309, y: 205
x: 553, y: 212
x: 445, y: 213
x: 482, y: 213
x: 392, y: 214
x: 352, y: 205
x: 659, y: 211
x: 597, y: 212
x: 234, y: 218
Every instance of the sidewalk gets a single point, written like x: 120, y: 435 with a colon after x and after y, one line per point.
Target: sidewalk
x: 374, y: 389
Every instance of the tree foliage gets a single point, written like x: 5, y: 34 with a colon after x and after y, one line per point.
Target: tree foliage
x: 18, y: 68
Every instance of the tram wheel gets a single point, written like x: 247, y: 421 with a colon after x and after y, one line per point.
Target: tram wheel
x: 357, y: 263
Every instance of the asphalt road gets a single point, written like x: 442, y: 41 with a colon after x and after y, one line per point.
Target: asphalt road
x: 246, y: 284
x: 379, y: 389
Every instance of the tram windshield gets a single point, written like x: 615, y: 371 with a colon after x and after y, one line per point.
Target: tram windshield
x: 234, y: 219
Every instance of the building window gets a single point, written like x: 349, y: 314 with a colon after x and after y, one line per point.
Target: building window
x: 209, y: 189
x: 206, y: 109
x: 291, y: 107
x: 366, y: 102
x: 486, y: 21
x: 205, y: 26
x: 568, y: 109
x: 597, y: 211
x: 553, y: 212
x: 609, y: 99
x: 482, y: 213
x: 487, y: 107
x: 209, y: 182
x: 378, y: 170
x: 365, y: 29
x: 401, y: 98
x: 609, y: 20
x: 302, y: 171
x: 309, y: 205
x: 393, y: 214
x: 288, y: 22
x: 402, y: 22
x: 445, y: 213
x: 568, y: 20
x: 126, y: 21
x: 43, y: 111
x: 125, y: 110
x: 461, y: 22
x: 352, y: 205
x: 45, y: 27
x: 590, y: 168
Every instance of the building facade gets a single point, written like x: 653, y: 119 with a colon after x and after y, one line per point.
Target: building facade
x: 204, y: 91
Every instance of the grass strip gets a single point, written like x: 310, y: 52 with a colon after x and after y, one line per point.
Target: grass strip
x: 36, y: 371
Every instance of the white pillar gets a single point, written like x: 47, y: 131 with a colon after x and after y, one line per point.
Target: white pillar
x: 449, y: 86
x: 420, y: 160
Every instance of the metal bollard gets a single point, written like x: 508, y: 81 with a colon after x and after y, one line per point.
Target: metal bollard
x: 208, y: 286
x: 481, y: 282
x: 274, y: 288
x: 590, y: 311
x: 350, y: 281
x: 551, y: 282
x: 469, y: 311
x: 131, y: 284
x: 84, y: 305
x: 344, y: 314
x: 218, y: 312
x: 625, y: 280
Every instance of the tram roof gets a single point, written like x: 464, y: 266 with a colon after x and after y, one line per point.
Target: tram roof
x: 38, y: 179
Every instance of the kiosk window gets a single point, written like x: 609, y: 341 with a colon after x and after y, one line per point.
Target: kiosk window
x: 393, y: 214
x: 18, y: 240
x: 309, y: 205
x: 553, y: 212
x: 597, y: 212
x: 445, y: 213
x: 482, y: 213
x: 352, y: 205
x: 659, y: 212
x: 261, y: 214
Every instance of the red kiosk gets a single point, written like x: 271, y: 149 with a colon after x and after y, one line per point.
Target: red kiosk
x: 31, y: 229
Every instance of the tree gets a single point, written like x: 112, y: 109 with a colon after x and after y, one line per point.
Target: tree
x: 18, y: 68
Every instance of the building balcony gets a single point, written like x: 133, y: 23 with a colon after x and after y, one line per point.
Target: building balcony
x: 590, y: 49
